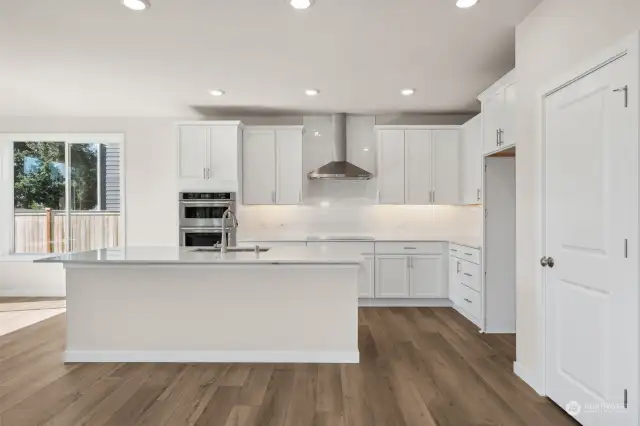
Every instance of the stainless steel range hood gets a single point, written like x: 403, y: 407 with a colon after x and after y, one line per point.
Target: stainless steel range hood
x: 340, y: 168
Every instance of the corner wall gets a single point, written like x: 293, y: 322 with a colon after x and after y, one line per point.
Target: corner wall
x: 556, y: 35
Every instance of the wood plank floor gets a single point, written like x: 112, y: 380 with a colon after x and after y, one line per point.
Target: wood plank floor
x: 419, y: 366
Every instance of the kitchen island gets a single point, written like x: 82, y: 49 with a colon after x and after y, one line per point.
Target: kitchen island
x: 168, y: 304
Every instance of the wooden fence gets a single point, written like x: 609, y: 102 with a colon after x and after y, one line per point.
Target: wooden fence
x: 44, y: 231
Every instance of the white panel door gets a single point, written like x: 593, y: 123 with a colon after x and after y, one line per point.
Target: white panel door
x: 446, y: 164
x: 591, y: 209
x: 491, y: 119
x: 390, y: 167
x: 417, y: 185
x: 366, y: 278
x: 223, y: 156
x: 427, y: 276
x: 471, y: 165
x: 288, y: 166
x: 259, y: 167
x: 392, y: 276
x: 192, y: 142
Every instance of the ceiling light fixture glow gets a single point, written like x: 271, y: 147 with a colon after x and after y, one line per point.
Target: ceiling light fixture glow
x: 408, y: 92
x: 217, y: 92
x: 301, y: 4
x: 465, y: 4
x: 136, y: 4
x: 312, y: 92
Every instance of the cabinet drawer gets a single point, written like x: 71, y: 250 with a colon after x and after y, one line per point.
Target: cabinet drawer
x: 409, y: 248
x: 471, y: 275
x: 469, y: 300
x: 465, y: 253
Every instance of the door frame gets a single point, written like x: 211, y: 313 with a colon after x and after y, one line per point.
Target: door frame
x: 630, y: 47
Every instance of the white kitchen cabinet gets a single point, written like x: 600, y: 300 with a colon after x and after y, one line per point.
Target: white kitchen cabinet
x: 499, y: 114
x: 471, y: 161
x: 366, y: 278
x: 465, y: 282
x: 418, y: 165
x: 288, y: 166
x: 446, y: 165
x: 391, y: 167
x: 427, y: 276
x: 272, y: 165
x: 208, y: 155
x: 392, y: 276
x: 258, y: 166
x: 418, y: 170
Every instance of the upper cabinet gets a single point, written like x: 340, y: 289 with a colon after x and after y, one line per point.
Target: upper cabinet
x: 498, y: 114
x: 272, y: 165
x: 418, y: 165
x: 209, y: 155
x: 471, y: 161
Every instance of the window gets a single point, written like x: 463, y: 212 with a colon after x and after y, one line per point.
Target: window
x: 67, y: 194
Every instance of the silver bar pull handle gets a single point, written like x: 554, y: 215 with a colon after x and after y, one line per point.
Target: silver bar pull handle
x: 458, y: 267
x: 467, y: 300
x: 467, y: 274
x: 478, y: 194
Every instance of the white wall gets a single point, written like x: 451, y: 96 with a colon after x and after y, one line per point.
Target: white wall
x: 557, y: 34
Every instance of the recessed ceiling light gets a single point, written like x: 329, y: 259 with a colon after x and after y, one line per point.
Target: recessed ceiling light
x: 464, y: 4
x: 408, y: 92
x: 312, y: 92
x: 301, y: 4
x: 136, y: 4
x: 217, y: 92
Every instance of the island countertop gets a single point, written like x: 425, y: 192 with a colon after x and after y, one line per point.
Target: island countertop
x: 187, y: 256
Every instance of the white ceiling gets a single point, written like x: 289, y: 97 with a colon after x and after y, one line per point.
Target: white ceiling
x: 95, y: 57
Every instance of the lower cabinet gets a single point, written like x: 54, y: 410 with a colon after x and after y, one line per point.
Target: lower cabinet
x: 427, y: 279
x: 415, y: 276
x: 366, y: 278
x: 392, y: 276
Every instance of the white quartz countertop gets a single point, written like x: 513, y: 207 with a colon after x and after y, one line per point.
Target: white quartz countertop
x: 179, y: 256
x: 472, y: 242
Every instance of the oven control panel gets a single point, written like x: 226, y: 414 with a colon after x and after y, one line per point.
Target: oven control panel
x: 213, y: 196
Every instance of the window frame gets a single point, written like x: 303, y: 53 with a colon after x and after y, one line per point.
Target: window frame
x: 7, y: 202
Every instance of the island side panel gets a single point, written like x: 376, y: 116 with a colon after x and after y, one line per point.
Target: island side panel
x: 255, y: 313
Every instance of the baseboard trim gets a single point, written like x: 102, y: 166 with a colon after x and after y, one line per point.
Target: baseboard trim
x: 32, y: 292
x: 527, y: 377
x: 330, y: 357
x: 407, y: 303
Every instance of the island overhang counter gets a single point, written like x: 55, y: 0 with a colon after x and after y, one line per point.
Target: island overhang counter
x: 289, y: 304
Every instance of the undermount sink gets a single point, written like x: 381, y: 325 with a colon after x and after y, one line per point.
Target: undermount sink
x: 230, y: 249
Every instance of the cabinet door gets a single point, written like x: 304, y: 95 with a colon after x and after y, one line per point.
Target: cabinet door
x: 366, y: 278
x: 471, y: 166
x: 491, y: 119
x: 391, y: 167
x: 288, y: 166
x: 192, y: 143
x: 259, y: 167
x: 392, y: 277
x: 454, y: 277
x: 417, y: 185
x: 223, y: 156
x: 446, y: 166
x: 508, y: 117
x: 427, y: 276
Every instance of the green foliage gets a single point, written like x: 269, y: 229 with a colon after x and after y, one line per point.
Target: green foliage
x: 39, y: 175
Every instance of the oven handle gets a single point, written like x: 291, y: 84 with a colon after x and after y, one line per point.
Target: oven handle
x: 206, y: 202
x: 201, y: 230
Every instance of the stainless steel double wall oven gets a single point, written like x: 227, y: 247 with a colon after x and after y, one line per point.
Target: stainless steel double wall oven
x: 201, y: 218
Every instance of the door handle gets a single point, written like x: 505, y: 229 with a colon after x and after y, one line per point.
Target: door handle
x: 544, y: 261
x: 551, y: 262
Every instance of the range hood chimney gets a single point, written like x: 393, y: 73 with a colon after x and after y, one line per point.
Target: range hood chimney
x: 339, y: 168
